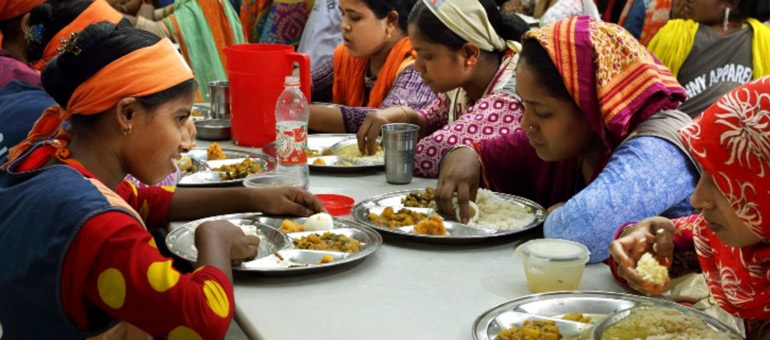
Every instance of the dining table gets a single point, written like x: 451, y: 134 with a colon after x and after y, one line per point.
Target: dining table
x: 407, y: 289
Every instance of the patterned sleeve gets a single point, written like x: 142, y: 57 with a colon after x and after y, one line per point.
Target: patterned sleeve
x: 645, y: 176
x: 492, y: 116
x: 436, y: 114
x: 114, y: 264
x: 150, y: 202
x: 563, y: 9
x: 322, y: 82
x: 407, y: 90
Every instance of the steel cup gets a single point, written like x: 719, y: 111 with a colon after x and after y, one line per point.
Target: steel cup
x: 219, y: 93
x: 399, y: 141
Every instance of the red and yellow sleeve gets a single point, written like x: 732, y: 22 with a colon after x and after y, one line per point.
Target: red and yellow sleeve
x: 150, y: 202
x: 114, y: 264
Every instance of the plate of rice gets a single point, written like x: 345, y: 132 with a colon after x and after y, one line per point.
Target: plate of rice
x: 413, y: 214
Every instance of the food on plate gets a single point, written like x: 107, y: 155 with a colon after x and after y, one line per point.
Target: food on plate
x: 531, y: 330
x: 499, y: 214
x: 390, y: 219
x: 432, y: 226
x: 187, y: 165
x: 325, y: 259
x: 473, y: 210
x: 420, y: 199
x: 215, y: 153
x: 289, y: 226
x: 328, y: 241
x: 577, y: 317
x: 313, y: 153
x: 319, y: 161
x: 662, y: 323
x: 655, y: 275
x: 319, y: 222
x: 240, y: 170
x: 352, y: 152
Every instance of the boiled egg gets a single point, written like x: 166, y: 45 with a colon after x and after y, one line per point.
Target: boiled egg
x: 320, y: 221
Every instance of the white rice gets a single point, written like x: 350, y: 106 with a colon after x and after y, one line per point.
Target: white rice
x: 499, y: 214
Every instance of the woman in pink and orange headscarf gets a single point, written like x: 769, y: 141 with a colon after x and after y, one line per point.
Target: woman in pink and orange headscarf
x: 731, y: 141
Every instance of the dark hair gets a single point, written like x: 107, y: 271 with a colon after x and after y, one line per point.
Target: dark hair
x: 52, y: 16
x: 100, y: 44
x: 381, y: 8
x: 11, y: 28
x: 536, y: 59
x: 757, y: 9
x: 508, y: 26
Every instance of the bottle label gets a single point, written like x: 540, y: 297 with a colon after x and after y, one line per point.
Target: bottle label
x: 291, y: 143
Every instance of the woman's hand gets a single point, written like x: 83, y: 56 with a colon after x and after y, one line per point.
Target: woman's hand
x: 460, y: 173
x: 220, y: 243
x: 370, y: 129
x: 653, y: 235
x: 286, y: 201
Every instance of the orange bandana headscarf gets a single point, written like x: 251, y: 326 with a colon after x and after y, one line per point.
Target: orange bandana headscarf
x: 731, y: 140
x: 140, y: 73
x: 10, y: 9
x: 349, y: 73
x: 98, y: 11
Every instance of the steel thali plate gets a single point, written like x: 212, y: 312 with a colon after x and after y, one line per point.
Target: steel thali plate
x: 277, y: 254
x: 595, y: 304
x: 456, y: 232
x: 205, y: 177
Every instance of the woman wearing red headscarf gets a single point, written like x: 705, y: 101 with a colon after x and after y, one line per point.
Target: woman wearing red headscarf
x: 731, y: 141
x: 14, y: 15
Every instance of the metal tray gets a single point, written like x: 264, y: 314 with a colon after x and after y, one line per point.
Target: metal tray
x: 204, y: 177
x: 181, y: 240
x: 456, y: 232
x: 327, y: 144
x: 597, y: 305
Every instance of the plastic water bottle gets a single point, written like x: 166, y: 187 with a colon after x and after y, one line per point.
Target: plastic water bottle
x: 291, y: 116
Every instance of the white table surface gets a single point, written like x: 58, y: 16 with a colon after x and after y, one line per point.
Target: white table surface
x: 405, y: 290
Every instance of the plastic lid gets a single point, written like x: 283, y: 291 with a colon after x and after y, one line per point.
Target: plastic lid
x: 291, y: 81
x: 337, y: 205
x: 272, y: 180
x: 555, y: 249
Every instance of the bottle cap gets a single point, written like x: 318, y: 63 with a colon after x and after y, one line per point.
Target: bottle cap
x: 291, y: 81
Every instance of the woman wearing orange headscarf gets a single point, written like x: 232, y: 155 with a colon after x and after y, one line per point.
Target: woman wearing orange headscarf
x: 372, y: 69
x: 14, y: 15
x: 731, y: 141
x: 83, y: 261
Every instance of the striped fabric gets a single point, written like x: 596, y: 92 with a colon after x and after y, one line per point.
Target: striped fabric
x: 203, y: 28
x: 614, y: 80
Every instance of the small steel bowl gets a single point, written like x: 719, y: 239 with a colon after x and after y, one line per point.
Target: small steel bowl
x: 213, y: 129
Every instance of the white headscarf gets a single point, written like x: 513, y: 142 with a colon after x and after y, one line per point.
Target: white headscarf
x: 468, y: 19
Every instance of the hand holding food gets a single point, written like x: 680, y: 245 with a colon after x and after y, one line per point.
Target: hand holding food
x: 286, y: 201
x: 652, y: 236
x: 460, y: 173
x: 372, y: 125
x: 215, y: 234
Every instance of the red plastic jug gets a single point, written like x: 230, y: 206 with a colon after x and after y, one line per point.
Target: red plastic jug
x: 257, y: 73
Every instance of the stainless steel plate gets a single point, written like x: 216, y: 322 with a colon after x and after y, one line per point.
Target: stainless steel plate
x: 597, y: 305
x: 211, y: 178
x: 456, y: 232
x: 323, y: 144
x: 274, y: 242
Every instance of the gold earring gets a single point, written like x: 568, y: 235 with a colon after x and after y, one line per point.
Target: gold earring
x: 390, y: 32
x: 127, y: 131
x: 470, y: 62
